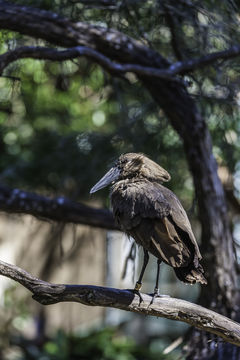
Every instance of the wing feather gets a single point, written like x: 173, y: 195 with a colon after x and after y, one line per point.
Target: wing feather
x: 155, y: 218
x: 133, y: 201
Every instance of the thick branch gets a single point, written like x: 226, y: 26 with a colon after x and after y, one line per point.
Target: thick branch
x: 57, y: 209
x: 60, y: 31
x: 167, y: 307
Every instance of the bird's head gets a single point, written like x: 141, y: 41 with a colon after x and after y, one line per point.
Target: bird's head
x: 132, y: 165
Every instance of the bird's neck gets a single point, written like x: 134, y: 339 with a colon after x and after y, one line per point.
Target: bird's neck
x: 128, y: 181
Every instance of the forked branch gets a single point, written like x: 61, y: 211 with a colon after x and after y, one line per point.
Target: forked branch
x: 175, y: 309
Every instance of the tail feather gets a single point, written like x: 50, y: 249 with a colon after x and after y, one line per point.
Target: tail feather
x: 191, y: 274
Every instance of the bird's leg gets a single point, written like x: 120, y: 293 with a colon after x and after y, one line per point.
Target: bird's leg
x: 138, y: 284
x: 145, y: 262
x: 156, y: 289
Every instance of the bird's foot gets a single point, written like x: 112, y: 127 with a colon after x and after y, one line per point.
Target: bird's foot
x: 156, y: 294
x: 137, y: 292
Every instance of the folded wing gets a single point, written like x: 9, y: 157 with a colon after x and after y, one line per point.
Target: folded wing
x: 155, y: 218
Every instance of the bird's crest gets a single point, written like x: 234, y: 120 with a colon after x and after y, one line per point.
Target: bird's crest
x: 139, y: 165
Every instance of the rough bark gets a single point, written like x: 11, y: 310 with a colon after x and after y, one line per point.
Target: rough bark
x: 175, y: 309
x: 172, y: 97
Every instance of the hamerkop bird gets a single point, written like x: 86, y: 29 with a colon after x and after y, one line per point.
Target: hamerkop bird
x: 153, y: 216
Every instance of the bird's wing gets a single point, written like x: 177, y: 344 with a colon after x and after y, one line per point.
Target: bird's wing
x: 160, y: 238
x: 181, y: 223
x: 133, y: 201
x: 154, y: 216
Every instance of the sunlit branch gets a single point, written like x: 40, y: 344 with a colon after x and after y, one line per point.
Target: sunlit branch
x: 167, y: 307
x: 57, y: 209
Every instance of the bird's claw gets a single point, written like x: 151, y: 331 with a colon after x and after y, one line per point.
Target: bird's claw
x: 156, y: 294
x: 137, y: 292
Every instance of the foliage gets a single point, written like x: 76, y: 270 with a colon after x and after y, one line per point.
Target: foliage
x: 63, y: 115
x: 62, y: 124
x: 105, y: 344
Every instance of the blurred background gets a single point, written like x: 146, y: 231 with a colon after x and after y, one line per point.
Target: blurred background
x: 62, y: 125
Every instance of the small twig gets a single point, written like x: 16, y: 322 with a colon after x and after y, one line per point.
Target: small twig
x: 175, y: 309
x: 173, y: 345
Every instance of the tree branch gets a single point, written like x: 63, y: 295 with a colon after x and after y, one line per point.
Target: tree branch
x: 61, y: 31
x: 105, y: 44
x: 98, y: 43
x: 178, y: 68
x: 57, y: 209
x: 184, y: 67
x: 171, y: 21
x: 45, y: 53
x: 175, y: 309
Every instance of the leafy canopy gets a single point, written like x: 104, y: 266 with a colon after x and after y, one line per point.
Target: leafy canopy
x: 63, y: 124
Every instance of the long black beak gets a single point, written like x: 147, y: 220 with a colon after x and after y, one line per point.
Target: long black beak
x: 108, y: 178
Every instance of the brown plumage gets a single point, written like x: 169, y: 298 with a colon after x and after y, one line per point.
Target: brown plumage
x: 153, y: 216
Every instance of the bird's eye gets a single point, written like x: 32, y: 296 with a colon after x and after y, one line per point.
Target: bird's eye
x: 124, y: 161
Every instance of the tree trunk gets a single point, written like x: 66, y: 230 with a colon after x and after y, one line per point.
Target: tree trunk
x: 217, y: 244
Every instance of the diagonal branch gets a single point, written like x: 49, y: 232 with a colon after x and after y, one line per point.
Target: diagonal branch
x: 175, y: 309
x: 57, y: 209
